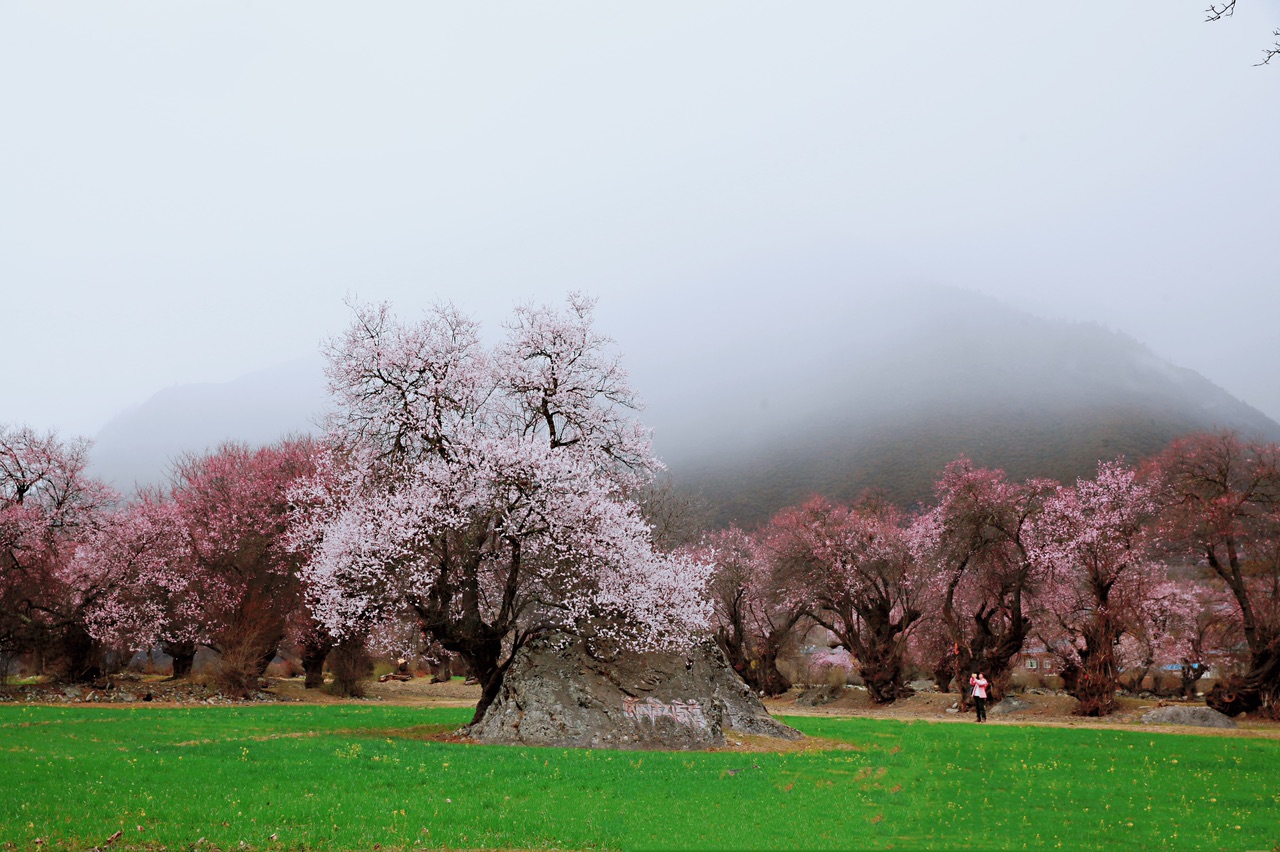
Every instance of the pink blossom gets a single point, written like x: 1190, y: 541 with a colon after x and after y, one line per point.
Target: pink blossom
x: 487, y: 491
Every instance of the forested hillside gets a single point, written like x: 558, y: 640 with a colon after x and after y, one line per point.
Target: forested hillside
x: 917, y: 382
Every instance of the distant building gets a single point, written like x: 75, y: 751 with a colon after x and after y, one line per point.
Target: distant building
x: 1035, y: 659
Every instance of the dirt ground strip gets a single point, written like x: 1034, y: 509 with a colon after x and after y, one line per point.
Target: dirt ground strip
x: 1048, y: 708
x: 419, y: 691
x: 1042, y: 708
x: 160, y: 691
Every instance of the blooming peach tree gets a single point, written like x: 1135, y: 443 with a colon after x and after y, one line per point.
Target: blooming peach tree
x: 1223, y: 509
x: 1092, y: 541
x: 205, y: 561
x: 863, y: 579
x: 982, y: 574
x: 48, y: 507
x: 153, y: 601
x: 756, y: 604
x: 487, y: 491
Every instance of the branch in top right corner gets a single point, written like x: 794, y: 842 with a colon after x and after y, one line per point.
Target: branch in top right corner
x: 1269, y: 53
x: 1217, y: 13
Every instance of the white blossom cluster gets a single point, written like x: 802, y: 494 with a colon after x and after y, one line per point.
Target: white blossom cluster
x: 486, y: 489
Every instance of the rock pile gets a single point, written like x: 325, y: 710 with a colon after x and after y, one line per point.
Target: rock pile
x: 1200, y: 717
x: 819, y: 695
x: 1010, y: 704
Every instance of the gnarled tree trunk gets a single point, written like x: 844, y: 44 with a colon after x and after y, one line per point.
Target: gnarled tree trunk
x: 989, y: 649
x: 313, y: 651
x: 1256, y: 691
x: 878, y: 642
x: 1092, y: 681
x: 184, y: 658
x: 351, y: 665
x: 484, y: 659
x: 82, y: 658
x: 1191, y: 674
x: 762, y: 673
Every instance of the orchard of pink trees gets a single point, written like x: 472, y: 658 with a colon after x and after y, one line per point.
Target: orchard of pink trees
x: 1171, y: 564
x: 471, y: 496
x: 204, y: 562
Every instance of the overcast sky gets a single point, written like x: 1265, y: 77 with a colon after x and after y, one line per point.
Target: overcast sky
x: 189, y: 190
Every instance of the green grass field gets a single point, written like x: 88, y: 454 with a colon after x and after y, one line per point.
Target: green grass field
x: 350, y: 777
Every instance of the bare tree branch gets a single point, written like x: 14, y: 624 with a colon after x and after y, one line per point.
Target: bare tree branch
x: 1217, y: 13
x: 1270, y: 52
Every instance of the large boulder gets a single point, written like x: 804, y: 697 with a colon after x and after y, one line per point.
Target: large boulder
x: 558, y: 692
x: 1201, y: 717
x: 817, y: 696
x: 1010, y: 704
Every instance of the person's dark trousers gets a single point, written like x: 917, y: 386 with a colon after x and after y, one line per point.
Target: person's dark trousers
x: 980, y: 704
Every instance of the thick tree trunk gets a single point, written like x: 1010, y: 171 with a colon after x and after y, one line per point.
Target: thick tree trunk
x: 990, y: 650
x: 992, y: 662
x: 442, y: 671
x: 884, y: 681
x: 1235, y: 696
x: 762, y: 674
x: 314, y: 645
x: 999, y: 676
x: 477, y: 643
x: 314, y: 652
x: 484, y: 658
x: 82, y: 656
x: 879, y: 648
x: 451, y: 615
x: 996, y: 661
x: 313, y: 668
x: 1191, y: 674
x: 732, y: 646
x: 943, y: 672
x: 881, y: 668
x: 1093, y: 682
x: 351, y: 665
x: 1258, y: 690
x: 184, y: 658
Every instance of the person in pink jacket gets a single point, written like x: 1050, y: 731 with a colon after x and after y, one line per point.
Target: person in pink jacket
x: 978, y: 684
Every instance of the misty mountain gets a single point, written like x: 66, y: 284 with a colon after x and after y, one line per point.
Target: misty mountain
x: 138, y: 446
x: 792, y: 397
x: 918, y: 379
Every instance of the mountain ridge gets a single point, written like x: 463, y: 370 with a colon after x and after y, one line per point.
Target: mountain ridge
x: 973, y: 377
x: 884, y: 391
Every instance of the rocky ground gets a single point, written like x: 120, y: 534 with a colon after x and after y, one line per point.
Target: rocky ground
x: 1039, y: 707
